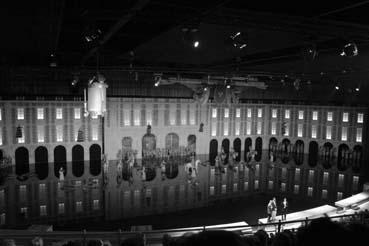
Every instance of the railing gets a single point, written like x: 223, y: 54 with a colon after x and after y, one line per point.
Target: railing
x: 155, y: 236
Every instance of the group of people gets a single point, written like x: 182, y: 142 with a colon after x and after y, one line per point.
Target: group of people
x: 272, y: 209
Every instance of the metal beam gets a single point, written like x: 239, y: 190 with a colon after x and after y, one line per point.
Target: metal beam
x: 115, y: 28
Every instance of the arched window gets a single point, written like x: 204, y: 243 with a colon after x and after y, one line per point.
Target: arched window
x: 258, y: 148
x: 60, y: 160
x: 41, y: 162
x: 172, y: 141
x: 237, y: 148
x: 213, y: 151
x: 21, y: 162
x: 78, y: 160
x: 313, y: 153
x: 343, y: 157
x: 95, y: 159
x: 298, y: 152
x: 326, y: 155
x: 148, y: 143
x: 248, y: 144
x: 273, y: 147
x: 357, y: 158
x: 285, y: 150
x: 225, y: 147
x: 191, y: 143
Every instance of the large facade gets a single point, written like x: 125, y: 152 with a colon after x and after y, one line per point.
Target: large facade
x: 303, y: 150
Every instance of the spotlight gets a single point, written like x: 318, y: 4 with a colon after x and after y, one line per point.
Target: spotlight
x: 190, y: 35
x: 357, y: 89
x: 239, y: 40
x: 157, y: 79
x: 196, y: 44
x: 337, y: 87
x: 53, y: 60
x: 228, y: 86
x: 349, y: 50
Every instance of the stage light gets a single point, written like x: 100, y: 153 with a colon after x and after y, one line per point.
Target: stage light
x: 53, y: 60
x: 196, y: 44
x: 357, y: 89
x: 239, y: 40
x: 228, y: 86
x: 350, y: 50
x: 337, y: 87
x: 157, y: 79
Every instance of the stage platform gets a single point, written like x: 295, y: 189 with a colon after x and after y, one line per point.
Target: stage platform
x: 353, y: 200
x: 357, y: 209
x: 312, y: 213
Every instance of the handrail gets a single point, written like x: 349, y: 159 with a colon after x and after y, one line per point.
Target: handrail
x: 84, y: 235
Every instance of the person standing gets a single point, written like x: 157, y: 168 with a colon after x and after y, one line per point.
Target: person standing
x: 284, y: 208
x: 274, y: 208
x: 269, y: 210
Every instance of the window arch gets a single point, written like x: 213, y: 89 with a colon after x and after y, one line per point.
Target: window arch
x: 225, y: 147
x: 237, y: 148
x: 343, y: 157
x: 172, y: 141
x: 298, y: 152
x: 41, y: 162
x: 357, y: 158
x: 258, y: 148
x: 313, y: 153
x: 327, y: 155
x: 60, y: 160
x: 78, y: 160
x: 248, y: 145
x: 95, y: 159
x: 213, y: 151
x: 21, y: 162
x: 285, y: 150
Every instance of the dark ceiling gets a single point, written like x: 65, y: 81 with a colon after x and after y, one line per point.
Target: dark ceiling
x: 147, y: 35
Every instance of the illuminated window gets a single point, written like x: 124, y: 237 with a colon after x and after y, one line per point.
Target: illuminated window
x: 315, y: 115
x: 214, y: 113
x: 311, y: 175
x: 235, y: 187
x: 95, y: 133
x: 296, y: 189
x: 43, y: 211
x: 248, y: 128
x: 339, y: 195
x: 40, y: 113
x: 355, y: 182
x: 274, y: 128
x: 270, y: 184
x: 149, y: 117
x: 237, y: 128
x: 238, y: 112
x: 287, y: 130
x: 225, y: 128
x: 20, y: 113
x: 301, y: 114
x: 59, y: 113
x: 59, y: 133
x: 224, y: 188
x: 313, y: 131
x: 274, y: 113
x: 324, y: 194
x: 325, y: 178
x: 136, y: 117
x: 61, y: 209
x: 344, y: 134
x: 2, y: 218
x: 283, y: 187
x: 260, y: 112
x: 213, y: 129
x: 77, y: 113
x: 310, y: 191
x: 40, y: 134
x: 22, y: 139
x: 329, y: 116
x: 299, y: 130
x: 1, y: 117
x: 345, y: 117
x: 212, y: 190
x: 359, y: 133
x: 127, y: 117
x: 328, y: 134
x: 341, y: 179
x: 192, y: 116
x: 78, y: 206
x: 246, y: 185
x: 258, y: 128
x: 42, y: 188
x: 256, y: 184
x: 360, y: 118
x: 249, y: 113
x: 287, y: 114
x: 226, y: 113
x: 96, y: 205
x: 24, y: 211
x: 1, y: 136
x: 184, y: 117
